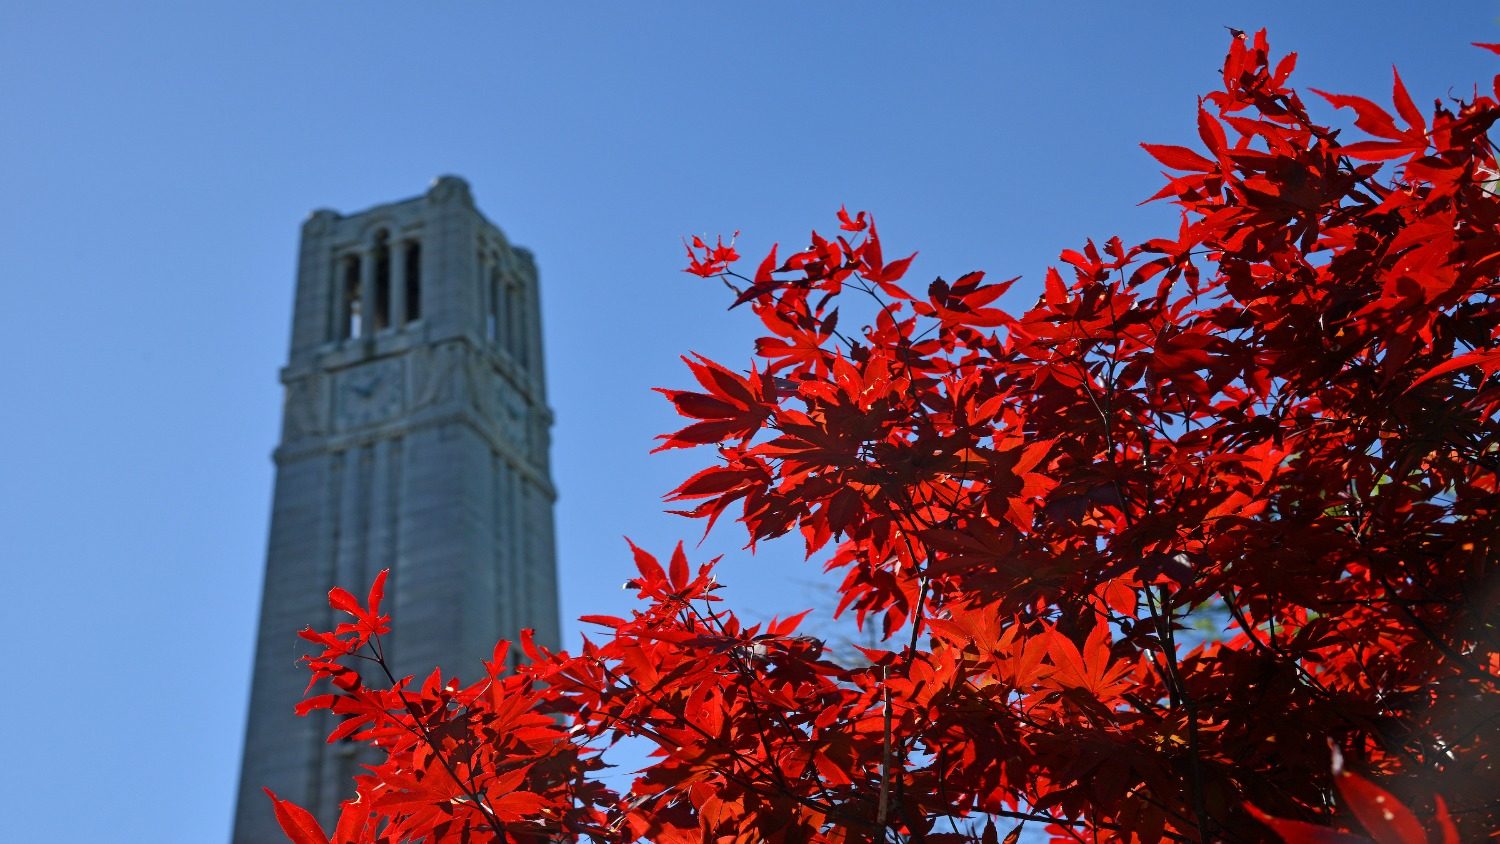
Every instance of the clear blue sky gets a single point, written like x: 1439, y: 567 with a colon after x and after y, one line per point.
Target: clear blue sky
x: 157, y: 158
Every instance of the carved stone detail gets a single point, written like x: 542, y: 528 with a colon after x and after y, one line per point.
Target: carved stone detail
x: 438, y: 374
x: 499, y: 401
x: 306, y: 413
x: 371, y: 394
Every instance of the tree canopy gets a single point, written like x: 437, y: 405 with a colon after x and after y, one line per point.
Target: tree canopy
x: 1281, y: 416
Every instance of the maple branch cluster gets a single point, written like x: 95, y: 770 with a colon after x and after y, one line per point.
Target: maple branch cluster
x: 1283, y: 417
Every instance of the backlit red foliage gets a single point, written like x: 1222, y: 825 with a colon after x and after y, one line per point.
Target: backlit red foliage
x: 1282, y: 416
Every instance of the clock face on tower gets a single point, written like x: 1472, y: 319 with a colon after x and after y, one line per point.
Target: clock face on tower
x: 370, y: 394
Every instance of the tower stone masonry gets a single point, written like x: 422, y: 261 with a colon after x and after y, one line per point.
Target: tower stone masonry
x: 415, y: 437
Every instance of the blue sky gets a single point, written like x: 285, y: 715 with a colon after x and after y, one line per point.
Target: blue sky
x: 157, y: 158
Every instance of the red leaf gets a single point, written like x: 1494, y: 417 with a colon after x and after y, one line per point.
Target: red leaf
x: 1383, y: 816
x: 1405, y: 107
x: 720, y: 381
x: 1180, y: 158
x: 700, y: 406
x: 703, y: 433
x: 787, y: 625
x: 1284, y: 69
x: 1212, y: 133
x: 353, y: 816
x: 1301, y: 832
x: 340, y: 599
x: 856, y: 225
x: 710, y: 481
x: 1379, y: 150
x: 377, y: 592
x: 679, y: 568
x: 651, y: 571
x: 1445, y: 821
x: 1486, y: 360
x: 1369, y: 116
x: 519, y: 804
x: 716, y: 259
x: 298, y: 823
x: 767, y: 266
x: 892, y: 271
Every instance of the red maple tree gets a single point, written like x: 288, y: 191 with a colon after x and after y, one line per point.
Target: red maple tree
x: 1283, y: 415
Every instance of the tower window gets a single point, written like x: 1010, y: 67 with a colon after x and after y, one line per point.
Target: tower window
x: 349, y: 305
x: 413, y: 268
x: 382, y: 304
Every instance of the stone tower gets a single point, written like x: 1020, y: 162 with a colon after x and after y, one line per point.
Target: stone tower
x: 415, y: 438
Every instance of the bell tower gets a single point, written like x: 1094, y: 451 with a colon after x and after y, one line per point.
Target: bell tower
x: 415, y: 437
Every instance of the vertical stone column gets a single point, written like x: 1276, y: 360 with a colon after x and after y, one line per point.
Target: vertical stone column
x: 486, y: 307
x: 340, y: 317
x: 450, y: 234
x: 514, y: 306
x: 367, y: 292
x: 311, y: 315
x: 501, y: 304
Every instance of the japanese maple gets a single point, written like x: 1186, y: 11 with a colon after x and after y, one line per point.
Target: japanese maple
x: 1283, y: 414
